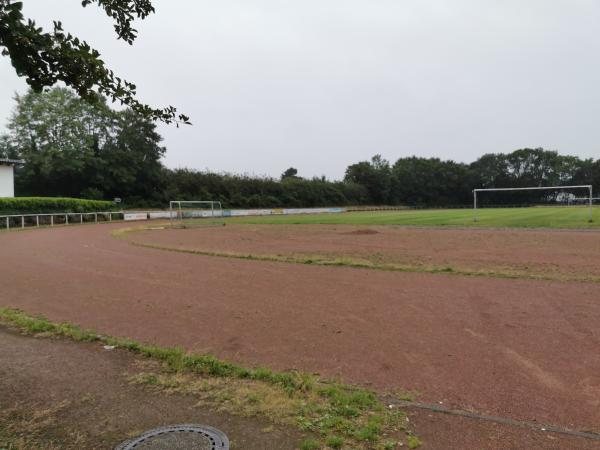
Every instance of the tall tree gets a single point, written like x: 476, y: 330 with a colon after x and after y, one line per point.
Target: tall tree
x: 132, y: 167
x: 430, y: 182
x: 73, y: 148
x: 45, y: 58
x: 292, y: 172
x: 374, y: 175
x: 534, y: 167
x: 58, y: 135
x: 528, y: 167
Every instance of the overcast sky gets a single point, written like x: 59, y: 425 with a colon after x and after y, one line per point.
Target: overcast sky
x: 320, y: 84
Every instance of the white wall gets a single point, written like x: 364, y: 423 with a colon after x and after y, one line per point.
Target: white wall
x: 7, y: 183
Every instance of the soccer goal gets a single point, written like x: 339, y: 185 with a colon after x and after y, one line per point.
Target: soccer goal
x: 588, y: 187
x: 188, y: 213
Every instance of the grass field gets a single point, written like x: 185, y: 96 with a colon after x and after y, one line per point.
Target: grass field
x: 535, y: 217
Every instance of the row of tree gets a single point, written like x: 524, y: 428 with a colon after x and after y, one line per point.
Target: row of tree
x: 77, y: 149
x: 433, y: 182
x: 253, y: 192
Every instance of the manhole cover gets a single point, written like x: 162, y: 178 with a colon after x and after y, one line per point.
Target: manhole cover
x: 179, y: 437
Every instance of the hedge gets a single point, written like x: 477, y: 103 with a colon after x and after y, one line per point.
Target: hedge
x: 40, y: 205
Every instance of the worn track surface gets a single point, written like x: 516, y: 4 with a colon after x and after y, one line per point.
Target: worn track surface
x: 555, y: 254
x: 523, y: 349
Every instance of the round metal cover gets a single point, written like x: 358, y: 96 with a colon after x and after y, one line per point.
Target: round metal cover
x: 179, y: 437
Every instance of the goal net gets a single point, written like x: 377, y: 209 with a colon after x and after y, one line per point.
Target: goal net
x: 572, y: 200
x: 557, y: 195
x: 195, y: 213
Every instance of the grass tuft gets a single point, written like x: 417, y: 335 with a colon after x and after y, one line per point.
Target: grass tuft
x: 335, y: 442
x: 310, y: 444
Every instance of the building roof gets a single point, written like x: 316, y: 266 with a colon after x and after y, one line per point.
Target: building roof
x: 10, y: 162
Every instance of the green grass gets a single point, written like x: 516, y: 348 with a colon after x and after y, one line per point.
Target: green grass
x: 534, y: 217
x: 310, y: 444
x: 338, y: 415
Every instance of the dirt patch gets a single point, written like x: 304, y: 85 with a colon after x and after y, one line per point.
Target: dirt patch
x: 379, y: 329
x: 361, y: 232
x: 553, y: 254
x: 63, y: 395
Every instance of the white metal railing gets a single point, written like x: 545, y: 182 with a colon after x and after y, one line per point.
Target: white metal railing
x: 37, y: 220
x: 51, y: 219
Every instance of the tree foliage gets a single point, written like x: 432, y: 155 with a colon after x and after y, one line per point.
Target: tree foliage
x: 240, y: 191
x: 292, y: 172
x: 430, y: 181
x: 76, y: 149
x: 416, y: 181
x: 45, y: 58
x: 375, y: 176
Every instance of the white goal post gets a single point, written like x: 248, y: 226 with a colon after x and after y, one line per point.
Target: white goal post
x: 182, y: 209
x: 585, y: 186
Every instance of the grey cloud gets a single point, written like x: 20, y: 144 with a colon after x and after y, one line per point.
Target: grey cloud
x: 322, y: 84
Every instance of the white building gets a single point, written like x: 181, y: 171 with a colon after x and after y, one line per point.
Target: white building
x: 7, y: 179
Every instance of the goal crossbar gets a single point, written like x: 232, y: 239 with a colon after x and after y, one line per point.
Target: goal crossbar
x: 534, y: 188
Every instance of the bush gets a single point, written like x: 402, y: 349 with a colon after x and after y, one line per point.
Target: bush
x: 244, y: 191
x: 40, y: 205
